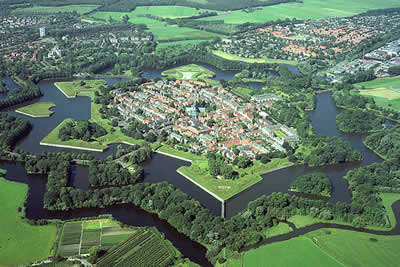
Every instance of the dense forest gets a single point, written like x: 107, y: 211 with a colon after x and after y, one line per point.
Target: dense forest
x: 12, y: 129
x: 323, y: 150
x: 386, y: 143
x: 82, y: 130
x: 26, y: 91
x: 316, y: 183
x: 110, y: 174
x: 358, y: 121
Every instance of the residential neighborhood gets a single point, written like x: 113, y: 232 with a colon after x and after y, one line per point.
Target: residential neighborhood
x: 207, y: 118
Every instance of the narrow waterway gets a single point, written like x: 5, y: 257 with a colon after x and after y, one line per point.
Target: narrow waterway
x: 162, y: 168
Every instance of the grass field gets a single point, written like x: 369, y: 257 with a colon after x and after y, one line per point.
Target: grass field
x: 40, y: 109
x: 146, y: 247
x: 253, y: 60
x: 72, y: 89
x: 100, y: 143
x: 387, y: 200
x: 78, y: 237
x: 81, y: 9
x: 20, y: 242
x: 324, y: 247
x: 187, y: 72
x: 180, y: 43
x: 309, y: 9
x: 382, y: 91
x: 163, y: 31
x: 223, y: 188
x: 279, y: 133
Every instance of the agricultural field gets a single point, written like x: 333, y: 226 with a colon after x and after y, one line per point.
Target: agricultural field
x: 162, y: 31
x: 40, y: 109
x: 308, y: 9
x: 224, y: 188
x: 146, y: 247
x: 17, y: 237
x: 253, y: 60
x: 188, y: 72
x: 81, y: 9
x: 385, y: 91
x: 79, y: 237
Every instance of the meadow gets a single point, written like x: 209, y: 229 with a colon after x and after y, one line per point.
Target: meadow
x: 17, y: 237
x: 40, y: 109
x: 72, y: 89
x: 187, y: 72
x: 79, y: 237
x: 180, y: 43
x: 381, y: 90
x: 81, y: 9
x: 223, y: 188
x: 162, y: 31
x: 309, y: 9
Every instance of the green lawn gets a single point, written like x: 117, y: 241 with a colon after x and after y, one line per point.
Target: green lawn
x: 381, y: 90
x: 188, y: 72
x: 299, y: 251
x: 309, y: 9
x: 280, y: 229
x: 358, y: 249
x: 72, y: 89
x: 387, y: 200
x: 100, y: 143
x: 180, y: 43
x: 223, y: 188
x: 20, y: 242
x: 40, y: 109
x: 81, y: 9
x: 253, y: 60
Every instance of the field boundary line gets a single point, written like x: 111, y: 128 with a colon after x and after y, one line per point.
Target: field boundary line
x: 101, y: 232
x: 80, y: 243
x: 326, y: 253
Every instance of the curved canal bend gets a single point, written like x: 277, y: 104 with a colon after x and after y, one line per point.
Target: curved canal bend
x: 162, y: 168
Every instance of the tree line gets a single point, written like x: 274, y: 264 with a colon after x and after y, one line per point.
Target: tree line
x: 12, y: 129
x: 103, y: 173
x: 316, y: 183
x: 358, y: 121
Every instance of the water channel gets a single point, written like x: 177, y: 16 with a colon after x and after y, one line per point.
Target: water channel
x: 162, y: 168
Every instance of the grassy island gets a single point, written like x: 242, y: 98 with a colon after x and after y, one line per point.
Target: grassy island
x: 40, y: 109
x: 189, y: 72
x: 100, y: 143
x: 20, y: 242
x: 222, y: 188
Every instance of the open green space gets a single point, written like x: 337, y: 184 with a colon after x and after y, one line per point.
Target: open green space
x: 307, y: 9
x: 279, y: 133
x: 112, y: 136
x: 385, y: 91
x: 180, y: 43
x: 146, y: 247
x: 163, y: 31
x: 79, y: 237
x: 253, y: 60
x: 72, y: 89
x: 188, y: 72
x: 223, y: 188
x: 324, y: 247
x: 20, y: 242
x: 40, y: 109
x: 387, y: 200
x: 81, y: 9
x: 280, y: 229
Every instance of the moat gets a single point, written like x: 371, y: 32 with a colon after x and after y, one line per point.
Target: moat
x: 163, y: 168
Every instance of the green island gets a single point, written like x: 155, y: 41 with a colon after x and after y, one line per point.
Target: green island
x: 37, y: 110
x: 100, y: 143
x: 16, y: 234
x: 189, y: 72
x: 253, y: 60
x: 223, y: 188
x: 385, y: 91
x: 314, y: 183
x: 79, y: 88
